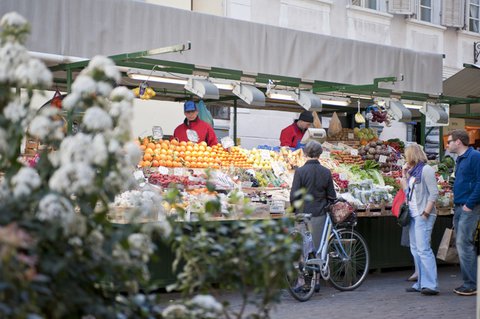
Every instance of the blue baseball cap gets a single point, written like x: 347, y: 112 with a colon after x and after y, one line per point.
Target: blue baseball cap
x: 189, y: 106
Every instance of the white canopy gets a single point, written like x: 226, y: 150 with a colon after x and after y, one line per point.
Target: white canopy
x: 90, y: 27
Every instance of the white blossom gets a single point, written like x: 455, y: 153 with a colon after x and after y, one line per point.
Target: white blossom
x: 76, y: 178
x: 99, y: 150
x: 15, y: 111
x: 33, y: 73
x: 121, y: 93
x: 133, y: 153
x: 106, y: 65
x: 140, y: 246
x: 70, y: 101
x: 25, y: 181
x: 13, y: 55
x: 47, y: 125
x: 13, y: 19
x: 75, y: 241
x: 161, y: 227
x: 121, y: 255
x: 175, y: 312
x: 53, y: 207
x: 104, y: 88
x: 84, y: 85
x: 114, y: 146
x: 96, y: 119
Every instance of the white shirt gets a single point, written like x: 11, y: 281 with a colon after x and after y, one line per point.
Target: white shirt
x: 412, y: 204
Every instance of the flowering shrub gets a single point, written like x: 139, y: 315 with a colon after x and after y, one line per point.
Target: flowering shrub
x: 59, y: 255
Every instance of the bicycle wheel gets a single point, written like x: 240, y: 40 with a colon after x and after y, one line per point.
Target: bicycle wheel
x: 300, y: 278
x: 348, y: 270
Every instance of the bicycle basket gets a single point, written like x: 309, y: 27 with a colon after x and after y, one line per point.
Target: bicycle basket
x: 340, y: 210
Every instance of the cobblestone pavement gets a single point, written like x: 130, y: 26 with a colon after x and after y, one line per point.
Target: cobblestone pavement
x: 381, y: 296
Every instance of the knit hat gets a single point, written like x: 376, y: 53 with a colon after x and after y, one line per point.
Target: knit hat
x: 190, y: 106
x: 306, y: 116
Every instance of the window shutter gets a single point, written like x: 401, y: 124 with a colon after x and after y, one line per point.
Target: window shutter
x: 453, y: 13
x: 357, y: 2
x: 400, y: 6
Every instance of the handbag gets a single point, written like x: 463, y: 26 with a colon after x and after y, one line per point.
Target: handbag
x: 403, y: 218
x: 447, y: 250
x: 398, y: 200
x: 340, y: 211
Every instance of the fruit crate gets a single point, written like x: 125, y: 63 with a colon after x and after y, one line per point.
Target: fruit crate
x: 383, y: 209
x: 31, y: 146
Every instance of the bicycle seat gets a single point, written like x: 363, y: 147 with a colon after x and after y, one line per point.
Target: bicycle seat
x: 301, y: 216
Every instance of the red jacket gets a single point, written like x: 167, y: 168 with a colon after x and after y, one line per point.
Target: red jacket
x: 204, y: 130
x: 291, y: 135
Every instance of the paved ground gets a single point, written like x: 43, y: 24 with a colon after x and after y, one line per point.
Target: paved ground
x: 382, y: 296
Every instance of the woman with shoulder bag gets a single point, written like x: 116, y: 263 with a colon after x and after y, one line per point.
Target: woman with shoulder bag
x: 420, y: 185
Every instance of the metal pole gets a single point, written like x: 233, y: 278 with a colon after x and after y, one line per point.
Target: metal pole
x: 70, y: 112
x: 235, y: 121
x: 422, y: 130
x: 441, y: 152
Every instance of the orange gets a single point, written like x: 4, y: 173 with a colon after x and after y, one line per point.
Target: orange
x: 145, y: 141
x: 202, y: 148
x: 174, y: 142
x: 155, y: 163
x: 140, y: 164
x: 169, y: 163
x: 151, y: 145
x: 143, y: 147
x: 183, y: 143
x: 147, y: 164
x: 165, y: 145
x: 204, y: 144
x: 162, y: 156
x: 147, y: 157
x: 162, y: 162
x: 189, y: 148
x: 149, y: 150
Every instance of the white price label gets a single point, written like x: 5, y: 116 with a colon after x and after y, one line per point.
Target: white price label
x: 138, y: 175
x: 342, y: 176
x: 435, y: 168
x: 265, y: 154
x: 440, y: 179
x: 178, y: 171
x: 351, y: 136
x: 163, y: 170
x: 382, y: 159
x: 400, y: 162
x: 354, y: 152
x: 325, y: 155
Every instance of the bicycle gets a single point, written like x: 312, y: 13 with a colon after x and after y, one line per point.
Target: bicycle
x: 342, y: 258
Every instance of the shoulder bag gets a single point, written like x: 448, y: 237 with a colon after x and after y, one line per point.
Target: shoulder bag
x: 403, y: 218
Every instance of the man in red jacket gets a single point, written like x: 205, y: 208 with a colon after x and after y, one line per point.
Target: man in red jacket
x: 292, y: 134
x: 194, y: 129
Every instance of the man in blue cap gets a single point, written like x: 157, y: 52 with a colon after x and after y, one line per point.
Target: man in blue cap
x: 204, y: 132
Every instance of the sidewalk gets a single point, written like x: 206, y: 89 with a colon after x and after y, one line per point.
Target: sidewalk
x: 381, y: 296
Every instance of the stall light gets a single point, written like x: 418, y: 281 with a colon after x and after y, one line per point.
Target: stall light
x: 336, y: 102
x: 399, y: 111
x: 202, y: 88
x: 308, y: 100
x: 223, y: 86
x: 413, y: 106
x: 156, y: 78
x: 280, y: 95
x: 249, y: 94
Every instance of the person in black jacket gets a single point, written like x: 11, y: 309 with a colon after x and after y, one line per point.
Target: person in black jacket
x: 318, y: 183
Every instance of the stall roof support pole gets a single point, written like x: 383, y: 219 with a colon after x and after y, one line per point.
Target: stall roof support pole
x: 440, y: 135
x: 69, y: 90
x: 235, y: 121
x: 422, y: 130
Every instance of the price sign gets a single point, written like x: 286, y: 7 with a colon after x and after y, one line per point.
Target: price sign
x: 351, y: 136
x: 400, y: 162
x: 265, y: 154
x: 277, y: 169
x: 163, y: 170
x: 382, y: 159
x: 342, y: 176
x: 325, y: 155
x: 178, y: 171
x: 354, y: 152
x: 138, y: 175
x: 435, y: 168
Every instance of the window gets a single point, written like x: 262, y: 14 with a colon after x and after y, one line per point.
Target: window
x: 474, y: 17
x: 426, y: 10
x: 370, y: 4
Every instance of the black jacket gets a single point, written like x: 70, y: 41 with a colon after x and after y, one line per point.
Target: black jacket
x: 318, y: 182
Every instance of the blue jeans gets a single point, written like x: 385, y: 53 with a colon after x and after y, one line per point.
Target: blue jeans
x: 420, y: 236
x: 465, y: 224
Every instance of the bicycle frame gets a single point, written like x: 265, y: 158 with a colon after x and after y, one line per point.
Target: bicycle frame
x: 327, y: 234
